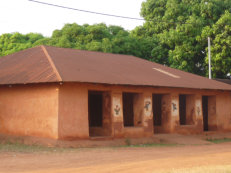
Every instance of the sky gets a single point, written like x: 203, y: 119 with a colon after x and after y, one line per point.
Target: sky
x: 25, y: 16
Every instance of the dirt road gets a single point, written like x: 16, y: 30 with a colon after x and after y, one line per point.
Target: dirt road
x: 128, y: 159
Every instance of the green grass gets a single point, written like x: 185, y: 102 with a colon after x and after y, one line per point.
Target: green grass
x: 129, y: 144
x: 23, y: 148
x: 217, y: 141
x: 151, y: 145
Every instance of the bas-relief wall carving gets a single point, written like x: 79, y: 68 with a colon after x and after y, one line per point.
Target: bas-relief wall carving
x: 198, y: 108
x: 148, y: 106
x: 174, y: 105
x: 116, y: 107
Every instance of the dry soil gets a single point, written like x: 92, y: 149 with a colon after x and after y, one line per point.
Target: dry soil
x: 124, y: 159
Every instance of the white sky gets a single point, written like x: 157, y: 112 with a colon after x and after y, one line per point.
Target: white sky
x: 24, y: 16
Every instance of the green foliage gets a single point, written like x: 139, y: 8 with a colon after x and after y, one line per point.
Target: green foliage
x: 178, y: 26
x: 218, y: 141
x: 10, y: 43
x: 220, y: 34
x: 98, y: 37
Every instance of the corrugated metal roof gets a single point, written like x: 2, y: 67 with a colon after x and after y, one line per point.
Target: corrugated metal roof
x: 227, y: 81
x: 52, y: 64
x: 27, y: 66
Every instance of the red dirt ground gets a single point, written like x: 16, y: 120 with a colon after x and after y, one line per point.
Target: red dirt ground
x: 124, y: 159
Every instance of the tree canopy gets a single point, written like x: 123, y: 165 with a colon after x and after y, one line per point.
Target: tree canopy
x: 10, y: 43
x: 98, y: 37
x: 221, y: 34
x: 179, y: 27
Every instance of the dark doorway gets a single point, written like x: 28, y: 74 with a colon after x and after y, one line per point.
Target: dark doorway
x: 205, y: 112
x: 157, y: 111
x: 95, y: 108
x: 128, y: 113
x: 182, y: 111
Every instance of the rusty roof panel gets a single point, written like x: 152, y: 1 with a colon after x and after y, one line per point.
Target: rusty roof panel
x: 27, y: 66
x: 227, y: 81
x: 98, y: 67
x: 52, y: 64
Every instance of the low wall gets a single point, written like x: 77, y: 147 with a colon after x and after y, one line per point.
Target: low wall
x: 73, y: 112
x: 223, y: 111
x: 29, y: 110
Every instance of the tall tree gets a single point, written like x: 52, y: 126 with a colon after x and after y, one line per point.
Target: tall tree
x: 220, y: 34
x: 177, y: 26
x: 100, y: 37
x: 10, y: 43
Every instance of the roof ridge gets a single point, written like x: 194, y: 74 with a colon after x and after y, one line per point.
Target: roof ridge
x: 51, y: 63
x: 93, y: 51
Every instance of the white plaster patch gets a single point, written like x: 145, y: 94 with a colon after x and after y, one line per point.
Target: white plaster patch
x: 148, y: 106
x: 117, y: 106
x: 198, y: 108
x: 165, y: 72
x: 174, y: 107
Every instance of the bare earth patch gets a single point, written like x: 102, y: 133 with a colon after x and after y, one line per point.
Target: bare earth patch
x: 174, y: 159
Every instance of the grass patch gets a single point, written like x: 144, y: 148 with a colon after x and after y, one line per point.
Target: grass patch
x: 128, y: 143
x: 218, y: 141
x: 151, y: 145
x: 23, y: 148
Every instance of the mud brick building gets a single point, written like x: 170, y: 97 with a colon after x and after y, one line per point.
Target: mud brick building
x: 64, y: 93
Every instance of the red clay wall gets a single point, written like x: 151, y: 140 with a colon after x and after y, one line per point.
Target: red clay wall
x: 61, y: 111
x: 29, y: 110
x: 223, y: 111
x: 73, y: 112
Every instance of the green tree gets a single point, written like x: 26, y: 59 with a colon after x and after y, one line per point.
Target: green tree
x: 220, y: 34
x: 100, y: 37
x: 10, y: 43
x: 176, y: 26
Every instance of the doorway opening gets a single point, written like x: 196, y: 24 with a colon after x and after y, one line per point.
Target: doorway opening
x: 157, y: 109
x: 205, y: 112
x: 132, y: 106
x: 209, y: 113
x: 182, y: 107
x: 128, y: 109
x: 95, y: 108
x: 186, y: 109
x: 97, y: 113
x: 161, y: 115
